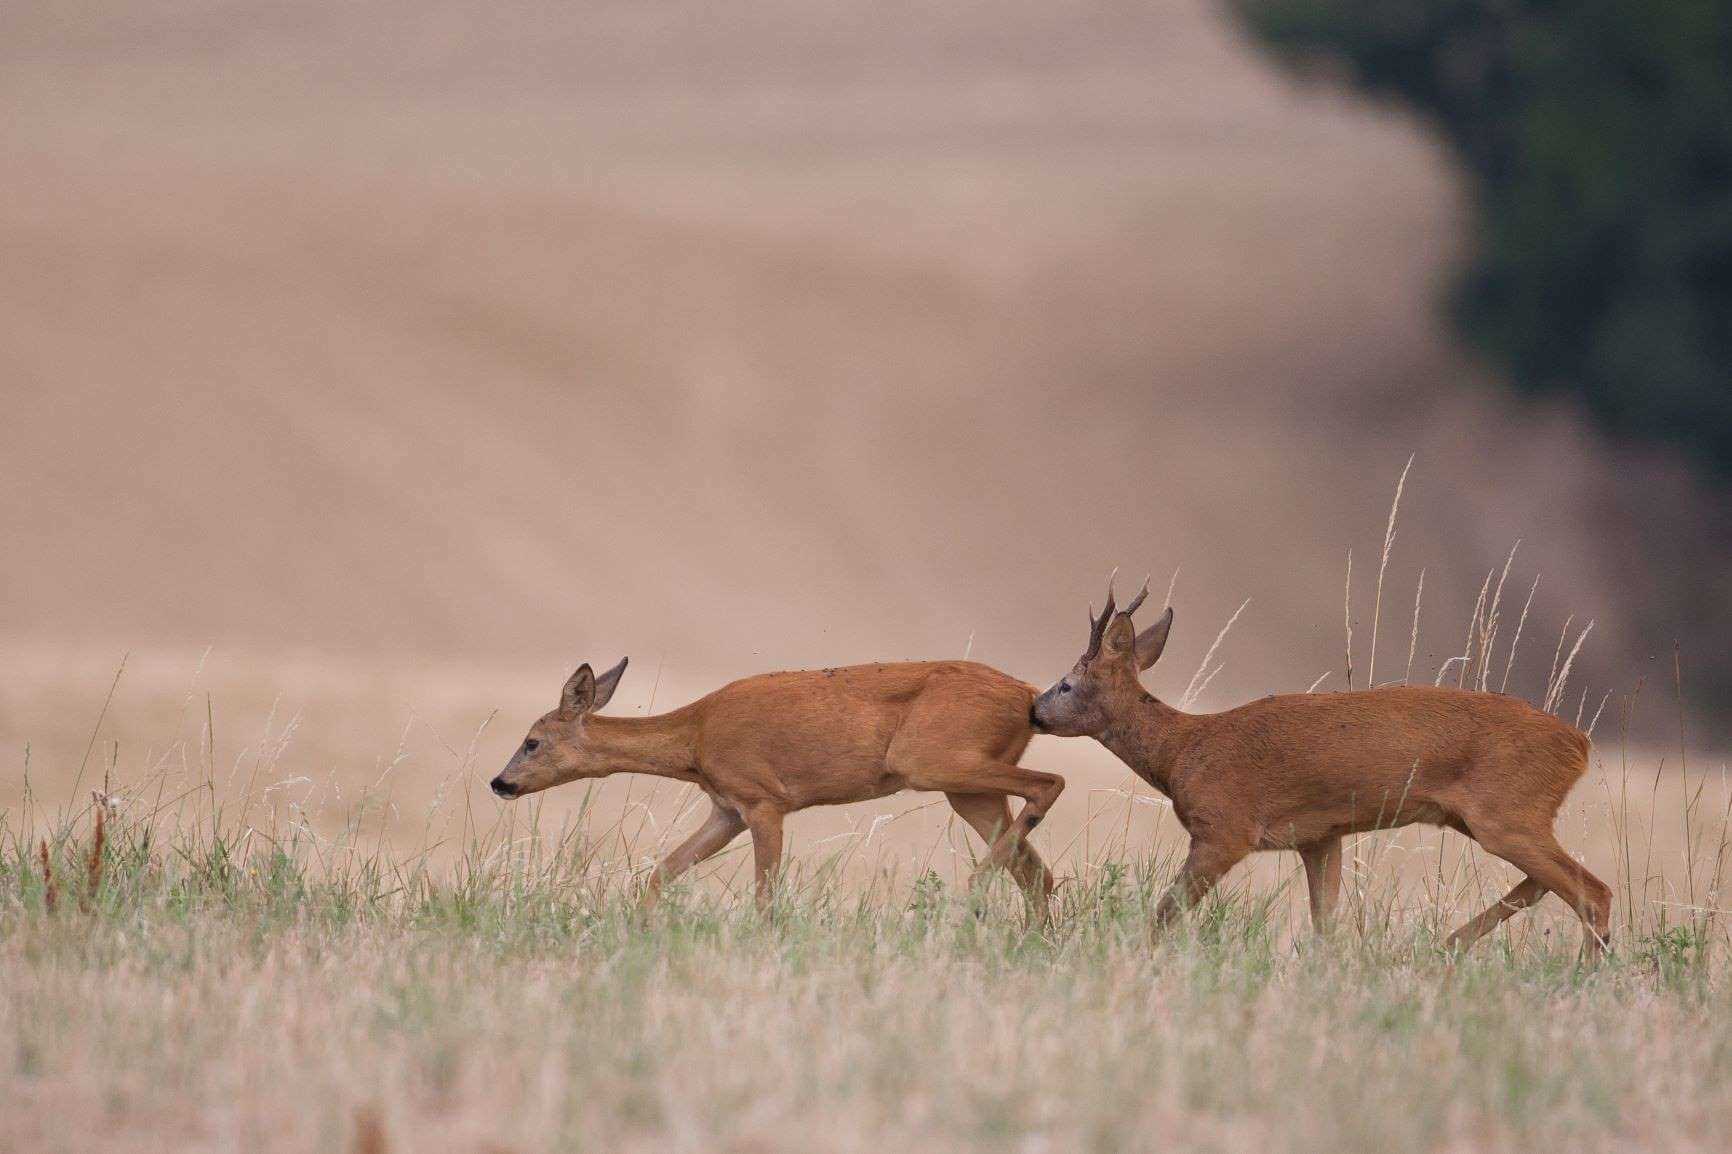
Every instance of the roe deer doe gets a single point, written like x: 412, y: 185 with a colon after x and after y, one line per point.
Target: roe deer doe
x: 766, y: 746
x: 1299, y: 771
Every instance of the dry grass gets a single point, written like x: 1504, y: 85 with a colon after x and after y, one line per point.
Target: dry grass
x: 219, y: 950
x: 244, y: 972
x: 229, y: 989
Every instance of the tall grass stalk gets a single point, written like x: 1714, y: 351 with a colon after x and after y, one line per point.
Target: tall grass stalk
x: 1382, y: 567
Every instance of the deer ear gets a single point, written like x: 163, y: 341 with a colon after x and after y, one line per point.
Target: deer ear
x: 1151, y: 641
x: 607, y: 683
x: 1120, y: 635
x: 578, y: 696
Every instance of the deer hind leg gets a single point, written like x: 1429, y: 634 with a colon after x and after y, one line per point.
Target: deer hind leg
x: 1526, y: 893
x: 989, y: 815
x: 1322, y: 880
x: 1539, y: 855
x: 720, y: 828
x: 1038, y: 790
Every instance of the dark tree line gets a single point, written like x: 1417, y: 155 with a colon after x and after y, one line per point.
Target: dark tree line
x: 1597, y: 138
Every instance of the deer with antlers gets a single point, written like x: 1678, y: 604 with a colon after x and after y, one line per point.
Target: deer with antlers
x: 1300, y: 771
x: 767, y: 746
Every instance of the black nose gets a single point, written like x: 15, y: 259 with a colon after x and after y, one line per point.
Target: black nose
x: 502, y: 787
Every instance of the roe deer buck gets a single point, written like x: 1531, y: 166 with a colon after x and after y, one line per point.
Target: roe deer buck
x: 766, y: 746
x: 1299, y: 771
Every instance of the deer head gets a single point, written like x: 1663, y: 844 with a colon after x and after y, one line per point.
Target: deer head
x: 556, y: 749
x: 1104, y: 680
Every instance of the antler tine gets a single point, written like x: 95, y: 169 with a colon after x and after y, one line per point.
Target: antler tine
x: 1098, y: 625
x: 1137, y: 602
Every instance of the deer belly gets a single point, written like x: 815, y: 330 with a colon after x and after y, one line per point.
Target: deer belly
x: 838, y: 785
x: 1318, y: 823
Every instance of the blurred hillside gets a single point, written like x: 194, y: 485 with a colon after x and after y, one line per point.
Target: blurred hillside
x: 800, y: 335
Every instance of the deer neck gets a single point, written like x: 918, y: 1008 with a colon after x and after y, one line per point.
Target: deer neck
x: 1148, y: 737
x: 664, y: 744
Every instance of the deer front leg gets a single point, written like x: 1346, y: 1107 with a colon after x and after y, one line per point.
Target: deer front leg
x: 765, y: 822
x: 718, y: 830
x: 1205, y: 865
x: 1323, y: 880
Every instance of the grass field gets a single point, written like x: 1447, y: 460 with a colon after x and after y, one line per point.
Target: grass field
x: 223, y: 975
x: 234, y: 929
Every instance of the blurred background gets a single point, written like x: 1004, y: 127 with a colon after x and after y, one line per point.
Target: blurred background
x: 367, y: 366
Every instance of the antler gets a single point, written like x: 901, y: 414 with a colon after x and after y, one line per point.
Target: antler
x: 1098, y: 625
x: 1137, y: 602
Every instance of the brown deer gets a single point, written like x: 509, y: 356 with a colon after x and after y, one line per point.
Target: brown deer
x: 1299, y: 771
x: 766, y: 746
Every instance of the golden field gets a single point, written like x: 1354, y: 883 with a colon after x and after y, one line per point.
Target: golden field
x: 314, y: 932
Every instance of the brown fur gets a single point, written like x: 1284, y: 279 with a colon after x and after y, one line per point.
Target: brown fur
x: 766, y: 746
x: 1299, y: 771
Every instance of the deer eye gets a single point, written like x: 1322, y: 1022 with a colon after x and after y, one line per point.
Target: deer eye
x: 530, y: 745
x: 1064, y: 687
